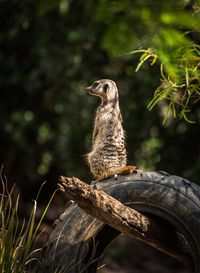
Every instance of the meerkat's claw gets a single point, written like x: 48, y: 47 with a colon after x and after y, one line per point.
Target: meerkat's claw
x: 93, y: 185
x: 116, y: 176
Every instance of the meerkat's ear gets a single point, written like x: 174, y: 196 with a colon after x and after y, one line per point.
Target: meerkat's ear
x: 106, y: 88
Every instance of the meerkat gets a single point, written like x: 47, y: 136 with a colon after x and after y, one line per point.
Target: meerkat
x: 108, y: 155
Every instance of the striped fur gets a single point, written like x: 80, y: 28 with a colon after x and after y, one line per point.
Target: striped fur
x: 108, y: 144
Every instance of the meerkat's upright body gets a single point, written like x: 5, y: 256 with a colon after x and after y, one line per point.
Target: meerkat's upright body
x: 108, y: 155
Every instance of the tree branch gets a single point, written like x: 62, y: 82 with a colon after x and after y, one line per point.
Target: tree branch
x: 125, y: 219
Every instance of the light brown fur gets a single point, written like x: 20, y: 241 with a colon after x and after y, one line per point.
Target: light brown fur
x: 108, y: 155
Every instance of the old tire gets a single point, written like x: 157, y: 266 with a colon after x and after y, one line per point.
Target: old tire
x: 78, y: 239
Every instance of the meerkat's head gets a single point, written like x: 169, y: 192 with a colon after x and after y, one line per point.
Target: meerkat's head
x: 105, y: 89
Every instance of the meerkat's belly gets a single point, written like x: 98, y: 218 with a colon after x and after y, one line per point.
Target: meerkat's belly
x: 108, y: 151
x: 107, y: 156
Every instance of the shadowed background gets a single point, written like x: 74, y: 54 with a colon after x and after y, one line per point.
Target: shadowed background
x: 50, y: 51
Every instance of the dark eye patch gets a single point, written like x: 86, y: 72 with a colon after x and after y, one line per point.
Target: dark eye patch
x: 95, y: 84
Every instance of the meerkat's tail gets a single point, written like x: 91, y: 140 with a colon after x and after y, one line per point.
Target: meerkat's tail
x: 120, y: 170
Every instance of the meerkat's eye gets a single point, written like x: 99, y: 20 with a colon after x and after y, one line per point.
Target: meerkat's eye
x: 106, y: 88
x: 95, y: 84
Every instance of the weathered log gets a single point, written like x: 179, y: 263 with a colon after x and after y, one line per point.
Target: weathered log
x: 125, y: 219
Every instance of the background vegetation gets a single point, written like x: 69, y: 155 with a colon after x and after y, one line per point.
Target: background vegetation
x: 51, y: 50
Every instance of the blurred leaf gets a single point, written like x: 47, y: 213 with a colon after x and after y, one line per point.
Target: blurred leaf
x: 45, y: 6
x: 182, y: 19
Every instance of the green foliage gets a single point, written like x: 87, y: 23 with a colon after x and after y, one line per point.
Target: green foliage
x: 179, y: 81
x: 17, y: 236
x: 172, y: 47
x: 50, y: 50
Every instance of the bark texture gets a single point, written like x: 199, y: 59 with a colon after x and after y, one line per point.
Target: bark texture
x: 125, y: 219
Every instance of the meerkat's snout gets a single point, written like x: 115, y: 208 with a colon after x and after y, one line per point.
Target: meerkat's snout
x: 89, y: 89
x: 92, y: 88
